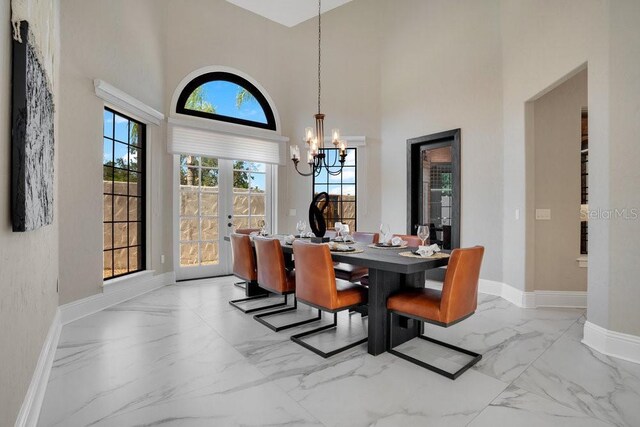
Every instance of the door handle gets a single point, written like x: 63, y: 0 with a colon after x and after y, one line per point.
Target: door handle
x: 229, y: 216
x: 230, y: 224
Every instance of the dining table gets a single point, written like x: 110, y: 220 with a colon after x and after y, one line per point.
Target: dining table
x: 388, y: 273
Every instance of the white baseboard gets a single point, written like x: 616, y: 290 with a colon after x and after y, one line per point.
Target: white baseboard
x: 563, y: 299
x: 566, y: 299
x: 30, y: 410
x: 113, y: 294
x: 612, y: 343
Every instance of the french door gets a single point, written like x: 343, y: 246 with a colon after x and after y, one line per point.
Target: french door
x: 213, y: 197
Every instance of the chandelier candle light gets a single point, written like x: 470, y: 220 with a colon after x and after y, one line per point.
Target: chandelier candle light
x: 317, y: 158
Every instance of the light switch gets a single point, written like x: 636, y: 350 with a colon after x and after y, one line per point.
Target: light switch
x: 517, y: 214
x: 543, y: 214
x: 292, y: 212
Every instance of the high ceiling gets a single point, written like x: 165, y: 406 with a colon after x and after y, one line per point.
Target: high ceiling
x: 287, y: 12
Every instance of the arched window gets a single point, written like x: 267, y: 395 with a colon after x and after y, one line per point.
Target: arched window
x: 226, y: 97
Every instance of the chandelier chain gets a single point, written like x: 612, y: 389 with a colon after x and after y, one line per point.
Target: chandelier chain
x: 319, y: 51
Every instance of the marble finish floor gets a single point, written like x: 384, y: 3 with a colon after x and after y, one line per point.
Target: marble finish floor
x: 182, y: 356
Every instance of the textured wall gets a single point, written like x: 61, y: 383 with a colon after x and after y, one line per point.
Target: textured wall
x: 28, y: 266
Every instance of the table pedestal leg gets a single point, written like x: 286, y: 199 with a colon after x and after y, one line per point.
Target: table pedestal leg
x: 381, y: 285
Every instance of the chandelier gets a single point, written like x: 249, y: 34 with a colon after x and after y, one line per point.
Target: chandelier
x: 317, y: 153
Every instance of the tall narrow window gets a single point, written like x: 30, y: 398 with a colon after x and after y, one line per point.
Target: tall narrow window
x: 123, y: 169
x: 584, y: 183
x: 341, y: 189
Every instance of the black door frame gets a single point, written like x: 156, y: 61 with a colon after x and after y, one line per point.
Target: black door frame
x: 414, y: 187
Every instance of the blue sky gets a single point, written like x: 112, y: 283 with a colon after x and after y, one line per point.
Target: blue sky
x: 222, y: 95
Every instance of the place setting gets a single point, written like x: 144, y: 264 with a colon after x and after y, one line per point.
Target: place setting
x: 388, y: 241
x: 432, y: 251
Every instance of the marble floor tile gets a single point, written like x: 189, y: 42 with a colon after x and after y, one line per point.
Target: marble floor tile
x: 508, y: 337
x: 524, y: 409
x: 182, y: 356
x: 364, y: 390
x: 581, y: 378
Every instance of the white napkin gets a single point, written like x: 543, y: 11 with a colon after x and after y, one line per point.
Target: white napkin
x: 397, y: 241
x: 338, y: 246
x: 348, y: 239
x: 309, y: 234
x: 427, y: 251
x: 289, y: 239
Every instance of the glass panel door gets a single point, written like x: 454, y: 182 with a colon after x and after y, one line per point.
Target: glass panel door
x: 249, y: 194
x: 214, y: 197
x: 199, y: 236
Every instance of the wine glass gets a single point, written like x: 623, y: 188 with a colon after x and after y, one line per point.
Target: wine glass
x: 423, y: 233
x: 384, y: 232
x: 301, y: 226
x: 338, y: 228
x: 263, y: 227
x: 346, y: 231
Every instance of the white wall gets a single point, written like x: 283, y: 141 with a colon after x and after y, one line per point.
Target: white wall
x: 121, y: 42
x: 28, y: 261
x: 557, y: 144
x: 624, y: 62
x: 441, y: 70
x: 543, y: 43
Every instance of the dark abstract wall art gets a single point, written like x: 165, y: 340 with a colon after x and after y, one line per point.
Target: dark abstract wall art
x: 32, y: 133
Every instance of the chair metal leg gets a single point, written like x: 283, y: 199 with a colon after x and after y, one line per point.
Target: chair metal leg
x: 260, y: 318
x: 297, y: 339
x: 241, y: 285
x: 452, y: 376
x: 363, y: 310
x: 251, y: 310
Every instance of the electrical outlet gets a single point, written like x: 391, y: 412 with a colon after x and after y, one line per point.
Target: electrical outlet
x: 293, y: 212
x: 543, y: 214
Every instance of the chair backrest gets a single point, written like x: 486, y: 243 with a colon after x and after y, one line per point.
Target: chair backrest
x: 315, y: 276
x: 365, y: 237
x: 247, y: 230
x: 270, y: 261
x: 411, y: 240
x: 244, y: 260
x: 460, y: 288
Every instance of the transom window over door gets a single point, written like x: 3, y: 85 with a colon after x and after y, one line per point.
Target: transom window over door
x: 341, y: 189
x: 123, y: 169
x: 226, y: 97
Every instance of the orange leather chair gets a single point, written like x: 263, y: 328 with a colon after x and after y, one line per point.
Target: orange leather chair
x: 317, y: 286
x: 244, y: 267
x: 273, y: 276
x: 457, y: 301
x: 247, y: 231
x: 354, y: 273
